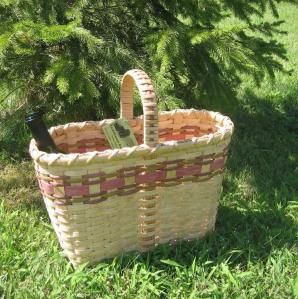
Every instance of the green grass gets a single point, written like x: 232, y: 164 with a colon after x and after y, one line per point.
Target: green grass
x: 252, y: 253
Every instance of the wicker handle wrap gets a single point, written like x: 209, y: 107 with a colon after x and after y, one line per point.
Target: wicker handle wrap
x: 143, y: 83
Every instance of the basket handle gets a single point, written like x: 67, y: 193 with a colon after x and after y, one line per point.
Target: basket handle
x: 143, y: 83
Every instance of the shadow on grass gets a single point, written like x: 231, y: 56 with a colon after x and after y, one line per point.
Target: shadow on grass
x: 240, y: 238
x: 265, y: 143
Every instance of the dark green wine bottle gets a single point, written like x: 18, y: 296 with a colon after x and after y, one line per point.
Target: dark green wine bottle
x: 40, y: 133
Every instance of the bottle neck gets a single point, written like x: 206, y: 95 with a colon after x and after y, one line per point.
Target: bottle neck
x: 40, y: 133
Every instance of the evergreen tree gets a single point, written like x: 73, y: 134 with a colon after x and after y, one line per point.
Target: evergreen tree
x: 68, y: 56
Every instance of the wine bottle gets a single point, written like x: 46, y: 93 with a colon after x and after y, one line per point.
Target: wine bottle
x: 40, y: 133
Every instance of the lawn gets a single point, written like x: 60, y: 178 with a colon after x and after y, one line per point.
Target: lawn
x: 253, y: 252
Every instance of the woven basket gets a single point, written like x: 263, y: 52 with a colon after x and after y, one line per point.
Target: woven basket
x: 103, y: 202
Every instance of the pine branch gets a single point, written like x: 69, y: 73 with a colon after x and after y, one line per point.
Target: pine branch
x: 10, y: 93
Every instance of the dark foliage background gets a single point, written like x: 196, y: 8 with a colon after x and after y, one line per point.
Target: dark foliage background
x: 67, y: 57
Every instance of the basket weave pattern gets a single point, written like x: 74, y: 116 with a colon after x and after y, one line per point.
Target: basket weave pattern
x: 103, y: 202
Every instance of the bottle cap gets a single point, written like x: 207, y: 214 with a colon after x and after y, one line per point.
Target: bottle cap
x: 34, y: 115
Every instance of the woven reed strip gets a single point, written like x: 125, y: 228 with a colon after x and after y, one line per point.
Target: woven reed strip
x: 94, y: 228
x: 224, y: 132
x: 109, y: 228
x: 72, y: 177
x: 143, y: 83
x: 148, y: 166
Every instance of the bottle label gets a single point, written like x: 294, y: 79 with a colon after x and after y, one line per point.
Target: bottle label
x: 119, y: 134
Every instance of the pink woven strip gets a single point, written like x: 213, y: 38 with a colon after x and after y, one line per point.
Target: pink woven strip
x: 174, y: 137
x: 165, y: 130
x: 100, y: 141
x: 142, y: 175
x: 190, y: 170
x: 217, y: 164
x: 76, y: 190
x: 150, y: 177
x: 112, y: 184
x: 46, y: 187
x: 81, y: 150
x: 139, y: 139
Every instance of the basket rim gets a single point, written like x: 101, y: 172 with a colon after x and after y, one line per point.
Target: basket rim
x: 76, y: 159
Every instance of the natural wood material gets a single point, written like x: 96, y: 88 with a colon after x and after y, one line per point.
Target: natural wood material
x: 103, y: 202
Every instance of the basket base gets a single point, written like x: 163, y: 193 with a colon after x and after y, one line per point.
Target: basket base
x: 89, y: 233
